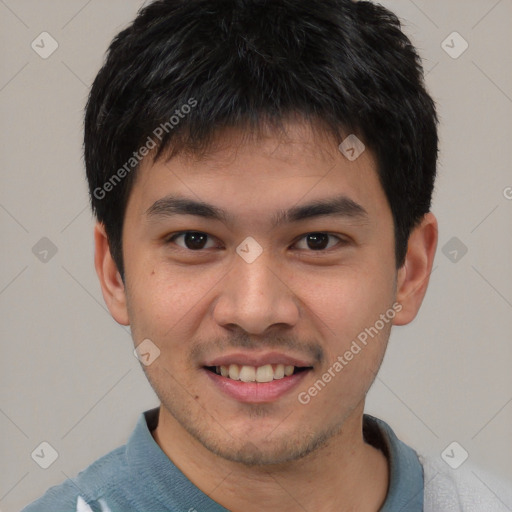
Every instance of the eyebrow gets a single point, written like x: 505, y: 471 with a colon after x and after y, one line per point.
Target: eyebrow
x: 339, y: 206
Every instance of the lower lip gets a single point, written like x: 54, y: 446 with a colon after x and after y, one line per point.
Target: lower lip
x: 256, y: 392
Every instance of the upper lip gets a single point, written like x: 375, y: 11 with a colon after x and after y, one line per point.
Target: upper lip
x: 261, y: 359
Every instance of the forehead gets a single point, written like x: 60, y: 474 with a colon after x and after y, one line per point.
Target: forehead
x: 253, y: 174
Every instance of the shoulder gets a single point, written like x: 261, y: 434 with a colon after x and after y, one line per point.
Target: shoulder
x: 89, y: 486
x: 466, y: 489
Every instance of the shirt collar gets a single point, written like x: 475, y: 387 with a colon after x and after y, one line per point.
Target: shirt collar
x: 149, y: 463
x: 405, y: 489
x: 151, y: 467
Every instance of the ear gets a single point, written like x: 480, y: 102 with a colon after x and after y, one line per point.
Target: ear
x: 112, y: 285
x: 414, y: 275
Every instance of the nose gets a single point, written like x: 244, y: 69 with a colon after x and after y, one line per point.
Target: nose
x: 254, y: 296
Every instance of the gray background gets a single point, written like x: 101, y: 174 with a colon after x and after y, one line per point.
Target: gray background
x: 69, y: 376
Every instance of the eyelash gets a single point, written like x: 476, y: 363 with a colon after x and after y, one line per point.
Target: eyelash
x: 341, y: 241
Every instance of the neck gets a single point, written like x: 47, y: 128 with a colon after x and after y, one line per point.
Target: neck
x: 346, y: 474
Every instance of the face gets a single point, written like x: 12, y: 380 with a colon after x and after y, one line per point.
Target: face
x: 254, y: 298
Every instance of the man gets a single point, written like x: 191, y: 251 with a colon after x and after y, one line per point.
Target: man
x: 261, y: 173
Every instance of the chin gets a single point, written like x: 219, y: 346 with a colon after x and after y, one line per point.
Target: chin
x: 262, y: 451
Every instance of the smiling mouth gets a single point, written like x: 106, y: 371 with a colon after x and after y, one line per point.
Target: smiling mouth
x: 261, y: 374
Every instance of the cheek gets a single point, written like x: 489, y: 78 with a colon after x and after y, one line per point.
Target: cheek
x: 346, y: 308
x: 347, y: 299
x: 164, y: 304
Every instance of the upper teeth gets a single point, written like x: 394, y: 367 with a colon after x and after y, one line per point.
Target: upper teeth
x: 265, y: 373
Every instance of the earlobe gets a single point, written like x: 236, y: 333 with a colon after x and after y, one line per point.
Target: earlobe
x: 414, y: 275
x: 112, y: 285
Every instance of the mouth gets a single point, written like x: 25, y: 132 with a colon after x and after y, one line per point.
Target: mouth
x: 260, y: 374
x: 256, y: 379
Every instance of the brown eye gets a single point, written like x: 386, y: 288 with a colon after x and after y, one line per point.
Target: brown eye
x: 192, y: 240
x: 318, y: 241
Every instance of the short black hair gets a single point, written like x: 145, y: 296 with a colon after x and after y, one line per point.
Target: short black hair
x: 185, y: 69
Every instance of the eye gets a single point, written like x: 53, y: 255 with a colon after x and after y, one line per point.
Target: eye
x: 319, y: 241
x: 192, y: 240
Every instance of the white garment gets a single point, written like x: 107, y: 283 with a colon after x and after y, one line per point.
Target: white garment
x: 466, y: 489
x: 82, y: 506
